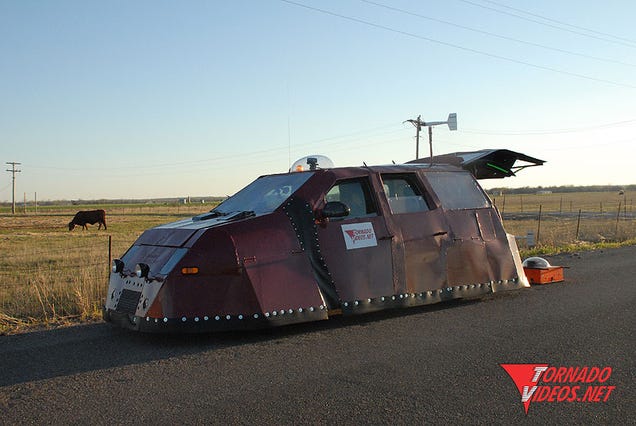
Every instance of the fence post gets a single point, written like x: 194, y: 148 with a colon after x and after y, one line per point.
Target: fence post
x: 578, y: 224
x: 539, y: 226
x: 530, y: 239
x: 110, y: 251
x: 618, y: 215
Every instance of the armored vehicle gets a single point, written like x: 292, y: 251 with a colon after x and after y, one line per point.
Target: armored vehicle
x: 320, y: 241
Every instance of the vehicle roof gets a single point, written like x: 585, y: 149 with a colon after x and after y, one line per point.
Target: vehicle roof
x: 391, y: 168
x: 482, y: 164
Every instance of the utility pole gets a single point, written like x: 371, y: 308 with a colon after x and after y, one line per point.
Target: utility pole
x: 418, y: 126
x: 13, y: 172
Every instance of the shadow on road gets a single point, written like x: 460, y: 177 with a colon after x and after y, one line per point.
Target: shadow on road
x: 46, y: 354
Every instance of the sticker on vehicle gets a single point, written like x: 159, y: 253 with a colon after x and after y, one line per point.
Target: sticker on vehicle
x: 359, y: 235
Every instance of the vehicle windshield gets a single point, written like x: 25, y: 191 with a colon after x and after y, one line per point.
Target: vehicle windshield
x: 264, y: 195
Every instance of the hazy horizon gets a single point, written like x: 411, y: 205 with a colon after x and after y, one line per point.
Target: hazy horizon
x: 157, y: 99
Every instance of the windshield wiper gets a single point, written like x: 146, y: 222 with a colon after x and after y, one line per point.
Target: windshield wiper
x: 209, y: 215
x: 242, y: 215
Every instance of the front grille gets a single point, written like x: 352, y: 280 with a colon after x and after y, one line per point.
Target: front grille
x: 128, y: 301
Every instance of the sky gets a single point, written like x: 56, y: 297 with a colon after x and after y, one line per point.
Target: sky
x: 152, y: 98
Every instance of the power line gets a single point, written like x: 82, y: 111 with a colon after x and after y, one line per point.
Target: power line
x: 547, y: 131
x: 500, y: 36
x: 547, y: 24
x: 350, y: 139
x: 326, y: 141
x: 455, y: 46
x: 561, y: 22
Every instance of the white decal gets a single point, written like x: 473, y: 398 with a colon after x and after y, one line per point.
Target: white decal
x: 359, y: 235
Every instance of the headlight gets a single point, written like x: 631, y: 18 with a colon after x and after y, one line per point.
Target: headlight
x: 118, y: 266
x: 141, y: 270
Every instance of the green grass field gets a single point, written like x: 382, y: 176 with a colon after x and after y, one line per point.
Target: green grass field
x: 50, y: 276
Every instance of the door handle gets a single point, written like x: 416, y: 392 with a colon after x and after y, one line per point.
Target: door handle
x: 440, y: 233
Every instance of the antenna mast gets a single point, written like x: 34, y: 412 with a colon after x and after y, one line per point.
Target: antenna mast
x: 452, y: 125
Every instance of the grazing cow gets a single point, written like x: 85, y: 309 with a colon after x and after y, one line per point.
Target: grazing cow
x: 90, y: 216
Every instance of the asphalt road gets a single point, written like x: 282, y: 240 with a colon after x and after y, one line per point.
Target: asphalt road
x: 432, y: 365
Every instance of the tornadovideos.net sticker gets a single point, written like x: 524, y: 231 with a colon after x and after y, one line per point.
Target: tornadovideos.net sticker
x: 359, y: 235
x: 546, y: 383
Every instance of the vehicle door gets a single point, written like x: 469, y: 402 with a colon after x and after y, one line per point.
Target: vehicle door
x: 422, y: 229
x: 357, y: 247
x: 471, y: 226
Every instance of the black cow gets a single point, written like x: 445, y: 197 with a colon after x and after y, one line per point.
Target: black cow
x: 90, y: 216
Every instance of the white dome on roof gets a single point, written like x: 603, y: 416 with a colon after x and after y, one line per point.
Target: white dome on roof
x: 311, y: 162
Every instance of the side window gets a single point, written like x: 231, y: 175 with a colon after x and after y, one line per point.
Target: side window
x: 457, y: 190
x: 356, y: 194
x: 404, y: 194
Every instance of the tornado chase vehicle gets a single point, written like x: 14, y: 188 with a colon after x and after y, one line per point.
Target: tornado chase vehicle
x: 322, y: 241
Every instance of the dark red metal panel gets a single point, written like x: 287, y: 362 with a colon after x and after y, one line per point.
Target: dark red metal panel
x: 467, y: 262
x: 423, y: 235
x: 358, y: 273
x: 478, y: 249
x: 276, y: 265
x: 357, y: 250
x: 219, y: 288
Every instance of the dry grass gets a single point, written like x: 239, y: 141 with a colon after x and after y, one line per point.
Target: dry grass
x: 561, y: 219
x: 50, y: 276
x: 591, y: 202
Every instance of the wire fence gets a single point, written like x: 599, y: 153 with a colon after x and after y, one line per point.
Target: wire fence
x: 551, y: 224
x: 601, y: 203
x: 51, y: 280
x: 48, y: 274
x: 52, y: 274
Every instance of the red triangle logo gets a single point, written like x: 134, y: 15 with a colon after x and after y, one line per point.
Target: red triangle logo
x: 525, y: 377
